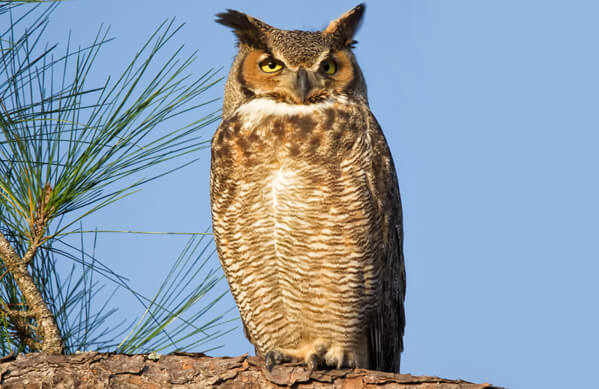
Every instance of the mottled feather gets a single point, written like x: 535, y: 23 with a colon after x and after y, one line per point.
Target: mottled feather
x: 305, y: 201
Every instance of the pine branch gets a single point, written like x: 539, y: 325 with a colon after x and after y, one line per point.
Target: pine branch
x: 17, y: 266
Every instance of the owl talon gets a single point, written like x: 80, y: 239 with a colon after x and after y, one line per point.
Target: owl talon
x: 314, y: 362
x: 273, y: 358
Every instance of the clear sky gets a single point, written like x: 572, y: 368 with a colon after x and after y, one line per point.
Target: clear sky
x: 491, y: 112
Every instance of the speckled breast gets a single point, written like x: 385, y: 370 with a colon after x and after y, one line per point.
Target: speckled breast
x: 292, y: 215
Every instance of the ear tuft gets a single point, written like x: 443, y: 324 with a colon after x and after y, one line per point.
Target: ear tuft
x: 249, y: 30
x: 343, y: 29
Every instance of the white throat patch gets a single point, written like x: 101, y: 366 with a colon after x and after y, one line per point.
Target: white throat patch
x: 261, y: 107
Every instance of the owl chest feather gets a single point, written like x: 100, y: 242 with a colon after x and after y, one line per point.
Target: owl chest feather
x: 293, y: 214
x: 302, y: 161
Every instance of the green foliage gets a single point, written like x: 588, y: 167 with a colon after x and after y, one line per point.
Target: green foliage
x: 63, y: 153
x: 72, y: 296
x: 174, y: 308
x: 67, y: 150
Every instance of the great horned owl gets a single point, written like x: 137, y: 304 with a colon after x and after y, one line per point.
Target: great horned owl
x: 305, y: 202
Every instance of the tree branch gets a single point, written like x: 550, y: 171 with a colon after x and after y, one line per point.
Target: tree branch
x: 95, y: 370
x: 14, y: 313
x: 17, y: 266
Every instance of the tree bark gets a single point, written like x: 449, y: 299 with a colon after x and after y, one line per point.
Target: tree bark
x: 47, y: 329
x: 184, y: 370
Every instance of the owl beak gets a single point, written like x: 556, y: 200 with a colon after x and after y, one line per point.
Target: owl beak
x: 302, y: 85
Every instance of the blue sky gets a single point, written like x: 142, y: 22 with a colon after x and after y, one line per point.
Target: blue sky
x: 491, y: 112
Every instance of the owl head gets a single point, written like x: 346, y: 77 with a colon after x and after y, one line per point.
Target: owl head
x: 295, y: 67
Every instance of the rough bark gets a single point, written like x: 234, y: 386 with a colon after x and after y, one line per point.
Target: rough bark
x: 183, y: 370
x: 47, y: 329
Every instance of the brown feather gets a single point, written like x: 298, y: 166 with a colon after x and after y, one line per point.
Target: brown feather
x: 343, y: 29
x: 305, y: 202
x: 249, y: 30
x: 387, y: 324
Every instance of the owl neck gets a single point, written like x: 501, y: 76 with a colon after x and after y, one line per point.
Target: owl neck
x: 262, y: 106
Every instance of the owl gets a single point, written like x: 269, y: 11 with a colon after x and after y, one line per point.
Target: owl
x: 305, y: 201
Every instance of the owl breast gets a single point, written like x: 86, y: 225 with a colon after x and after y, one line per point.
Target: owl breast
x: 294, y: 216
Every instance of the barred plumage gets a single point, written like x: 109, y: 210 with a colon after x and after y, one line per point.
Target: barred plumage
x: 305, y: 204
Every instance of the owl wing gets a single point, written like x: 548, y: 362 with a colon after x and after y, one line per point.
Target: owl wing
x: 386, y: 327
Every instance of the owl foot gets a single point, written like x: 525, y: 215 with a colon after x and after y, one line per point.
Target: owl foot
x: 314, y: 358
x: 314, y: 362
x: 330, y: 357
x: 275, y: 357
x: 316, y: 355
x: 336, y: 357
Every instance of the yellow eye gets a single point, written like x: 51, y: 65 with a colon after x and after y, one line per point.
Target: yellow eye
x: 328, y: 66
x: 270, y: 65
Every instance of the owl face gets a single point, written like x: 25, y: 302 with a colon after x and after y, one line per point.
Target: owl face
x: 270, y: 73
x: 295, y: 67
